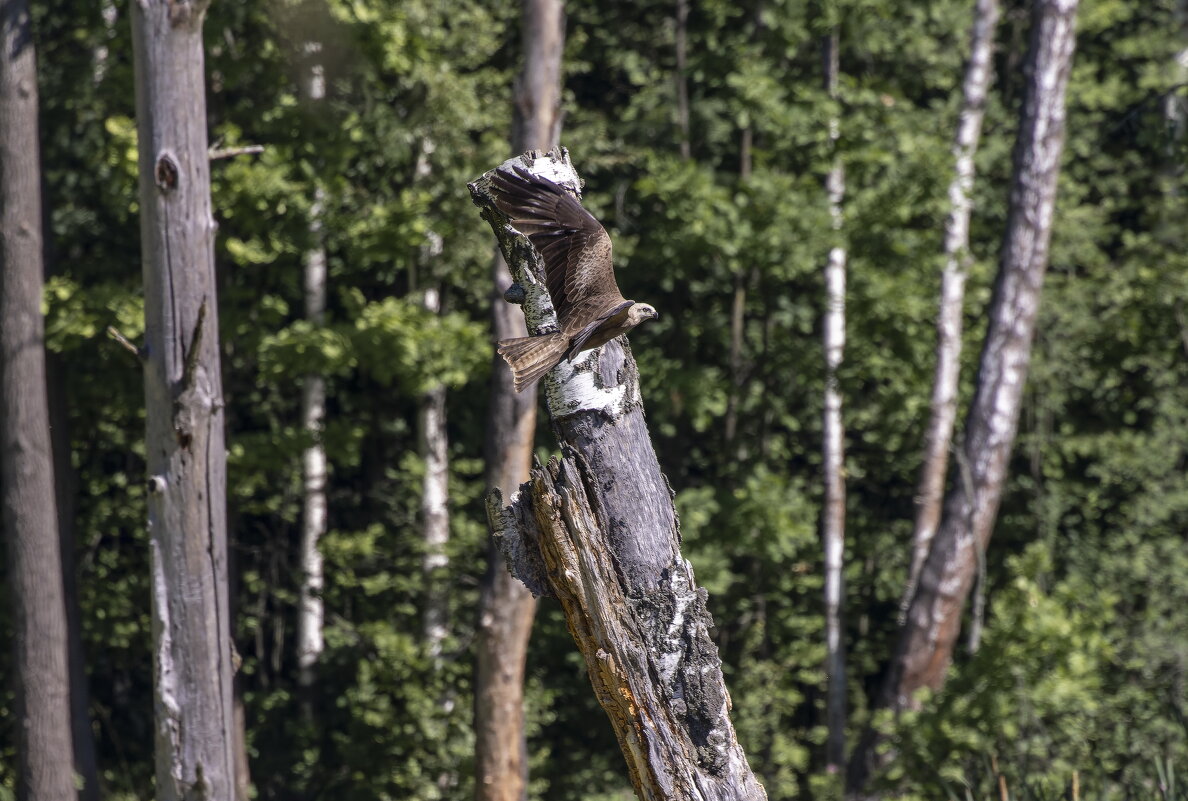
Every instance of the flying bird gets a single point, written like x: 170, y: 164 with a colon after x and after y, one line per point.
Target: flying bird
x: 578, y: 274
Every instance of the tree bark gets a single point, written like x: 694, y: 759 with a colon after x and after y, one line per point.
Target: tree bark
x: 185, y: 452
x: 45, y: 751
x: 435, y: 518
x: 311, y: 613
x: 682, y: 81
x: 506, y: 608
x: 86, y: 762
x: 943, y: 411
x: 598, y: 530
x: 833, y: 519
x: 925, y: 646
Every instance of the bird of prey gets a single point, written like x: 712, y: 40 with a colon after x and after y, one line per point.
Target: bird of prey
x: 578, y: 273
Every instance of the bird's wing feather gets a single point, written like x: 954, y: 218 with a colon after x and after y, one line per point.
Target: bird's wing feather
x: 575, y: 247
x: 585, y: 333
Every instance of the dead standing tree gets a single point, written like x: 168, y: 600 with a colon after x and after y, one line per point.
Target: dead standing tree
x: 597, y: 529
x: 184, y: 447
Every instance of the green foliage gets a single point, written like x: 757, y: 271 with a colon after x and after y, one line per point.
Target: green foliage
x: 1083, y: 660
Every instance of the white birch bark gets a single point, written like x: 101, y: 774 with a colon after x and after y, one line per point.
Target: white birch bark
x: 311, y: 612
x: 833, y: 526
x: 933, y: 619
x: 943, y: 408
x: 435, y: 519
x: 935, y: 613
x: 185, y: 451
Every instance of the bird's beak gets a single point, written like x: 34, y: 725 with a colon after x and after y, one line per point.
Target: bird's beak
x: 655, y: 315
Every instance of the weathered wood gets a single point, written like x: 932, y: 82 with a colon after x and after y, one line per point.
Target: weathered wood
x: 29, y: 514
x: 603, y: 523
x: 185, y: 452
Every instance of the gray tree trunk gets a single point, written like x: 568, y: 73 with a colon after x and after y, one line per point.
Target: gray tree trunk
x: 833, y: 518
x: 933, y: 620
x: 506, y: 608
x: 185, y: 451
x: 597, y: 529
x: 943, y: 413
x: 44, y: 740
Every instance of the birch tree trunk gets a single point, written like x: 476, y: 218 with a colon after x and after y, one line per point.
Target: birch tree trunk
x: 833, y: 522
x: 185, y: 452
x: 435, y: 518
x: 943, y: 409
x: 933, y: 620
x: 311, y: 614
x: 597, y: 529
x: 506, y: 608
x: 45, y: 751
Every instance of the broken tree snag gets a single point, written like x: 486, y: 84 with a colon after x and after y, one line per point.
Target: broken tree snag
x: 597, y: 529
x: 185, y: 451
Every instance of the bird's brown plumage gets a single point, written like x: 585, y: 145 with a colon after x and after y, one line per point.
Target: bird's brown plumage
x: 579, y: 273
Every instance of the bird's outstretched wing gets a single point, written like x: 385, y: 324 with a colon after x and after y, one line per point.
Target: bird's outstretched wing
x: 576, y: 249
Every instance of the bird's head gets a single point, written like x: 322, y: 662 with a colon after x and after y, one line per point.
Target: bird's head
x: 640, y: 312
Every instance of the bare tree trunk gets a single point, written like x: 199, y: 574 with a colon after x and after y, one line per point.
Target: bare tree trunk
x: 598, y: 530
x: 506, y: 608
x: 311, y: 614
x: 926, y: 642
x: 86, y: 763
x: 978, y: 73
x: 682, y: 81
x: 185, y: 451
x: 44, y: 739
x: 833, y: 523
x: 435, y: 518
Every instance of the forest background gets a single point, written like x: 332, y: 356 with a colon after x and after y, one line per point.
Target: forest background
x: 1082, y: 664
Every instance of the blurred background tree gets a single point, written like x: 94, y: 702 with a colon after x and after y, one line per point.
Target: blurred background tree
x: 1083, y: 660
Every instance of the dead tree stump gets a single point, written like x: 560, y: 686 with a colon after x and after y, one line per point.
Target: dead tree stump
x: 597, y: 529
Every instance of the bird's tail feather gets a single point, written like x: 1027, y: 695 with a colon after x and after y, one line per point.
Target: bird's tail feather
x: 531, y: 357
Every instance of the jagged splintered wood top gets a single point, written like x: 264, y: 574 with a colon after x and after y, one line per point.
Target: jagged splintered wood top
x: 596, y: 529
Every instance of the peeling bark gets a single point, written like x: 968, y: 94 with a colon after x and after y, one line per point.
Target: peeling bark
x: 45, y: 751
x: 833, y: 522
x: 185, y: 451
x: 926, y: 643
x: 603, y: 523
x: 943, y: 408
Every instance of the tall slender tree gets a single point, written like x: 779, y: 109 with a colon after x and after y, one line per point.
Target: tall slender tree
x: 506, y: 607
x: 435, y: 519
x: 682, y: 78
x: 933, y: 620
x: 833, y: 522
x: 185, y: 451
x: 45, y: 749
x: 943, y: 412
x: 310, y: 614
